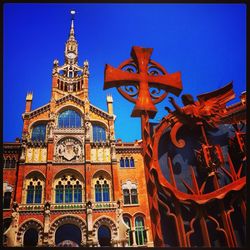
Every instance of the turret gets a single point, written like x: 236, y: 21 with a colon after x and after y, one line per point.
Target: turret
x: 70, y: 78
x: 110, y: 104
x: 29, y: 98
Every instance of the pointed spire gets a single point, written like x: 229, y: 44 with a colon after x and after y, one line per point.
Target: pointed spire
x: 72, y: 32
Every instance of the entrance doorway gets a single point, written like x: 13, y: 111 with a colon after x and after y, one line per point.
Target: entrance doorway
x: 68, y: 235
x: 104, y: 236
x: 30, y: 238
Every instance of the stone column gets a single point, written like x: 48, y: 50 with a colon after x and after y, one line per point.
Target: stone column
x: 134, y: 238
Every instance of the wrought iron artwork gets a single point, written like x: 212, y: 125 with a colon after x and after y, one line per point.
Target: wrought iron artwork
x: 194, y: 162
x: 142, y: 81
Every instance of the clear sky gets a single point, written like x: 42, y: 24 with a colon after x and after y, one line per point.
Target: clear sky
x: 206, y: 42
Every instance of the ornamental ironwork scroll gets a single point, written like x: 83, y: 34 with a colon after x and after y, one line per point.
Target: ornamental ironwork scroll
x: 194, y: 163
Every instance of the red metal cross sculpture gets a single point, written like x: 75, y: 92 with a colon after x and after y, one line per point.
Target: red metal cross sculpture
x: 143, y: 74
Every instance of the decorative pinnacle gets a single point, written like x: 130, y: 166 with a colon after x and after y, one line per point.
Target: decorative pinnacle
x: 29, y: 96
x: 109, y: 98
x: 72, y: 32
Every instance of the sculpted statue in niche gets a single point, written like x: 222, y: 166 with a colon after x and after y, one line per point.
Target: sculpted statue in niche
x: 87, y: 130
x: 69, y: 149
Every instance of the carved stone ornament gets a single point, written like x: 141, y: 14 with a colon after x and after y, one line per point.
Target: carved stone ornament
x: 87, y: 130
x: 69, y: 149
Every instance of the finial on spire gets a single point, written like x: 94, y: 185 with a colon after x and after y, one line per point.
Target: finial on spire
x: 72, y: 33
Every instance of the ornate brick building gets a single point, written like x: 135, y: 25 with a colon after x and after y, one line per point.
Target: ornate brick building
x: 68, y: 182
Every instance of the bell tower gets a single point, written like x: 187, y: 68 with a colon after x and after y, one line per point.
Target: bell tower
x: 71, y: 47
x: 70, y: 78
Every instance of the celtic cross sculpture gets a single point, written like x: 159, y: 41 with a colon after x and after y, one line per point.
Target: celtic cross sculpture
x: 145, y: 83
x: 142, y: 81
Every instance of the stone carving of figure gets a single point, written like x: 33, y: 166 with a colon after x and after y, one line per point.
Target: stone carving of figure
x: 23, y: 152
x: 51, y: 127
x: 55, y: 66
x: 113, y: 152
x: 87, y: 130
x: 77, y: 150
x: 60, y: 150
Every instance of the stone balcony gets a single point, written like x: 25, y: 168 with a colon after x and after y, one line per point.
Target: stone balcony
x: 104, y: 205
x: 67, y: 206
x: 69, y: 130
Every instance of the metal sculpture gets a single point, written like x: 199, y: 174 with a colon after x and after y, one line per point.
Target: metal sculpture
x: 145, y: 83
x: 187, y: 202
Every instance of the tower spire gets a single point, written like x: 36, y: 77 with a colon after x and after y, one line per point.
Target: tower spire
x: 72, y: 31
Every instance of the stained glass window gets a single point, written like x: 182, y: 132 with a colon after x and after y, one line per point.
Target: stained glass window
x: 98, y: 192
x: 77, y: 193
x: 59, y: 193
x: 127, y: 162
x: 30, y: 193
x: 38, y: 193
x: 68, y: 190
x: 39, y: 133
x: 69, y: 119
x: 122, y: 163
x: 68, y: 193
x: 132, y: 162
x: 105, y: 189
x: 140, y: 233
x: 99, y: 133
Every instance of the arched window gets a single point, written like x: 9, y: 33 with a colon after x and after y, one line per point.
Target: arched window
x: 102, y: 190
x: 69, y: 119
x: 38, y: 193
x: 105, y: 188
x: 68, y: 189
x: 99, y: 133
x: 59, y: 193
x: 127, y: 162
x: 140, y: 233
x: 39, y: 133
x: 77, y: 192
x: 30, y: 193
x: 34, y: 184
x: 132, y: 162
x: 130, y: 195
x: 128, y: 223
x: 68, y: 193
x: 6, y: 199
x: 34, y: 193
x: 122, y: 162
x: 98, y: 192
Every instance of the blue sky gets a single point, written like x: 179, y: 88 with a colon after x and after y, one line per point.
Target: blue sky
x: 205, y: 42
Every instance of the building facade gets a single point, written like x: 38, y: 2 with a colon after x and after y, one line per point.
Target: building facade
x: 68, y: 182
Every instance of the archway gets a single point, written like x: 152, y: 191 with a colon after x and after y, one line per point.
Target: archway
x: 30, y: 238
x: 104, y: 236
x: 68, y: 235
